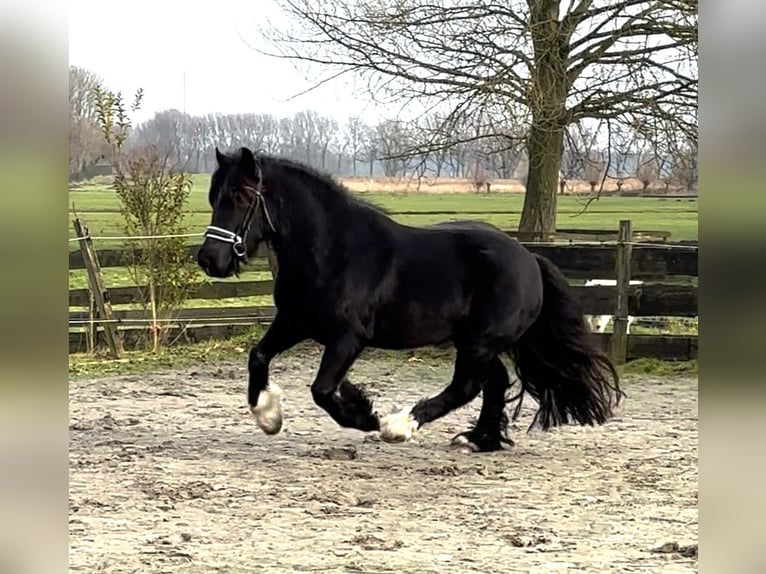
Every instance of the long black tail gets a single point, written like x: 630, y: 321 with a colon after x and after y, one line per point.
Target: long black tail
x: 559, y: 364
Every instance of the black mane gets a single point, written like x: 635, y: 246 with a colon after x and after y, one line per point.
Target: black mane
x: 328, y: 188
x: 320, y: 222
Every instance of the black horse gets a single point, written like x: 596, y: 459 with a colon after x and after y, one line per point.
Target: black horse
x: 350, y: 277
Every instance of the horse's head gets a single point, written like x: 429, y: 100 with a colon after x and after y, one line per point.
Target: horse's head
x: 240, y: 219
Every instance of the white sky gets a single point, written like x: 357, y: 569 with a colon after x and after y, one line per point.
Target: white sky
x: 223, y: 74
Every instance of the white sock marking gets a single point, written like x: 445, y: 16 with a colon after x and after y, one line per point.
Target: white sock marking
x: 398, y: 427
x: 268, y: 410
x: 466, y: 446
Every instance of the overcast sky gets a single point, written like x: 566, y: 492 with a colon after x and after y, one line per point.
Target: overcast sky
x: 223, y: 74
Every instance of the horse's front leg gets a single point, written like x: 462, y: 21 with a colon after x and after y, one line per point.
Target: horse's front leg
x: 264, y: 398
x: 345, y: 403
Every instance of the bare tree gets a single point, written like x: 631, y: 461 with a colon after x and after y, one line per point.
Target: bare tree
x: 684, y: 163
x: 393, y: 145
x: 305, y: 134
x: 594, y: 169
x: 481, y: 180
x: 86, y: 142
x: 506, y: 152
x: 625, y: 152
x: 673, y: 150
x: 648, y: 170
x: 432, y: 129
x: 578, y: 143
x: 353, y: 133
x: 166, y: 133
x: 289, y: 144
x: 370, y: 147
x: 580, y: 159
x: 561, y: 61
x: 326, y: 128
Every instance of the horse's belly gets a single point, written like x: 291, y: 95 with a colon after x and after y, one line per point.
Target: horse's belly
x: 413, y: 326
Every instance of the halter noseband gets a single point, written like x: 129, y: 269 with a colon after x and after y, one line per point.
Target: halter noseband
x: 238, y: 240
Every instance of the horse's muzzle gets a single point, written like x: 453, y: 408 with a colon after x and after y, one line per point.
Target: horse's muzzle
x: 215, y: 260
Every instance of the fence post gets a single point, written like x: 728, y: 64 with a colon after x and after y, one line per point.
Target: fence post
x: 96, y: 284
x: 619, y: 348
x: 90, y: 332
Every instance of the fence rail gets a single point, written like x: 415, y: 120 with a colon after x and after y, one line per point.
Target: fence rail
x: 649, y: 261
x: 650, y: 300
x: 215, y: 290
x: 658, y: 264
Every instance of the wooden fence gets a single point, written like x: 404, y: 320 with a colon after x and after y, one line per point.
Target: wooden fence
x: 662, y: 266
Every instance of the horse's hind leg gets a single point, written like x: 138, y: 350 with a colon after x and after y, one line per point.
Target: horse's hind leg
x: 469, y: 375
x: 489, y: 432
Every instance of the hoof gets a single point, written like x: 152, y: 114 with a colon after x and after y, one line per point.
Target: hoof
x: 398, y: 427
x: 464, y: 444
x: 268, y: 410
x: 472, y: 441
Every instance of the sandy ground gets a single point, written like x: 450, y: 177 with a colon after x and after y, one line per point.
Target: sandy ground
x: 168, y: 473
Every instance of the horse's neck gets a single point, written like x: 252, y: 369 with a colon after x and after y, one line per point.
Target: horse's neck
x: 300, y: 248
x: 292, y: 255
x: 306, y: 238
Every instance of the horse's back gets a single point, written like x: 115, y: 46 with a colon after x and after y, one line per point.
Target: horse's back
x: 456, y: 276
x: 506, y: 282
x: 456, y: 251
x: 486, y: 244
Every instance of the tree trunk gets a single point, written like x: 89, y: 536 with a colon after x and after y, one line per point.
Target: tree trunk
x: 548, y: 94
x: 538, y: 216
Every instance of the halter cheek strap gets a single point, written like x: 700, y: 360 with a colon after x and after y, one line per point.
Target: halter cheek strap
x: 238, y: 240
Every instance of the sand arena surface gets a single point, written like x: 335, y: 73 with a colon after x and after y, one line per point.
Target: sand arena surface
x: 168, y: 473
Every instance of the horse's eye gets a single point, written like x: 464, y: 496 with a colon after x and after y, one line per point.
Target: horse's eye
x: 240, y: 198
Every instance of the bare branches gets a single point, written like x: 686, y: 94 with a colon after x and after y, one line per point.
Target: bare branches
x: 443, y: 49
x: 636, y: 59
x: 605, y: 60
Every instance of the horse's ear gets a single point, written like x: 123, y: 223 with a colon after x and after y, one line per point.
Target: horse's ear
x: 247, y: 161
x: 219, y: 157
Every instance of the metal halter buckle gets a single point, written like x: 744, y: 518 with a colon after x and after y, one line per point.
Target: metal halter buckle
x: 239, y: 249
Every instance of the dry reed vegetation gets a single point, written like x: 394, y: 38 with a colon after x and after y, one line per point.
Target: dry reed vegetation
x: 437, y: 185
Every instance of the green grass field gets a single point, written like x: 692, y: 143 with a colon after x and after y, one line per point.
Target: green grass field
x: 99, y: 207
